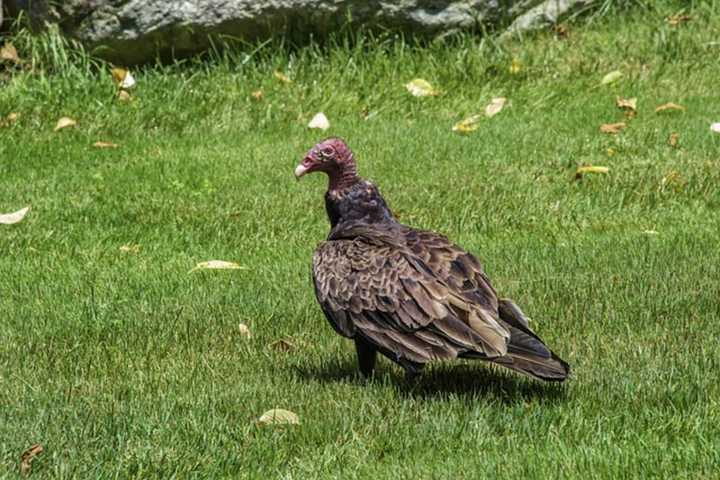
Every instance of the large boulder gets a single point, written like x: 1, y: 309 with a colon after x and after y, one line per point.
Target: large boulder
x: 135, y: 31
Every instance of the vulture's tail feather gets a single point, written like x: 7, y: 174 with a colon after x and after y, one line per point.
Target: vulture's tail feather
x: 527, y: 353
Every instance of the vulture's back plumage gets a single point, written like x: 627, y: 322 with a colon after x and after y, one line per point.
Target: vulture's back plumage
x: 410, y: 294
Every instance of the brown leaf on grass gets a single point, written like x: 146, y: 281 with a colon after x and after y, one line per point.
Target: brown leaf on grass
x: 561, y: 30
x: 245, y: 330
x: 123, y: 78
x: 281, y: 76
x: 101, y: 144
x: 28, y: 456
x: 8, y: 53
x: 14, y: 217
x: 257, y: 95
x: 282, y: 345
x: 64, y: 122
x: 675, y: 20
x: 612, y: 128
x: 673, y: 140
x: 626, y: 103
x: 124, y: 96
x: 673, y: 179
x: 421, y: 88
x: 278, y: 416
x: 494, y: 107
x: 669, y: 107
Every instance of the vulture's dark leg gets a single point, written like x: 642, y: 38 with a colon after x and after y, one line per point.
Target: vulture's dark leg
x: 366, y: 354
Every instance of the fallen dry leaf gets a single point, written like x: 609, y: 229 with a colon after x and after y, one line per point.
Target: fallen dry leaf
x: 669, y: 107
x: 124, y: 96
x: 278, y: 416
x: 650, y: 232
x: 673, y: 139
x: 257, y: 95
x: 218, y: 265
x: 319, y: 121
x: 101, y: 144
x: 8, y: 53
x: 9, y: 119
x: 715, y: 127
x: 626, y: 103
x: 244, y: 330
x: 15, y: 217
x: 281, y: 76
x: 675, y: 20
x: 421, y: 88
x: 28, y: 456
x: 673, y: 179
x: 592, y: 169
x: 611, y: 77
x: 561, y: 30
x: 64, y: 122
x: 470, y: 124
x: 612, y: 127
x: 130, y: 248
x: 494, y: 107
x: 515, y: 66
x: 123, y: 78
x: 282, y: 345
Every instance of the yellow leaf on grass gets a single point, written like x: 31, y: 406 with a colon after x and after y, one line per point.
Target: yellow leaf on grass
x: 217, y: 265
x: 675, y: 20
x: 257, y: 95
x: 28, y: 456
x: 8, y: 53
x: 15, y: 217
x: 244, y: 330
x: 494, y: 107
x: 124, y: 96
x: 611, y: 77
x: 319, y: 121
x: 515, y: 66
x: 130, y: 248
x: 591, y: 169
x: 281, y: 76
x: 626, y: 103
x: 9, y: 120
x: 470, y: 124
x: 278, y: 416
x: 650, y: 232
x: 64, y: 122
x: 669, y: 107
x: 421, y: 88
x: 612, y: 127
x: 101, y: 144
x: 123, y: 78
x: 673, y: 139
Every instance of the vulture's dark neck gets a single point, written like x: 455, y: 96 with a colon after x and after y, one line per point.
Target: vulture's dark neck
x: 358, y: 202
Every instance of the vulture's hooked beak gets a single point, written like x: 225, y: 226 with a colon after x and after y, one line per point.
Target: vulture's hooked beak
x: 300, y: 170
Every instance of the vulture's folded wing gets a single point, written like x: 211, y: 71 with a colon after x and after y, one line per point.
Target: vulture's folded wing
x: 376, y: 288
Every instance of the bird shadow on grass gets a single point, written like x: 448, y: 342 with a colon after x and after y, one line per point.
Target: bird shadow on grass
x: 474, y: 381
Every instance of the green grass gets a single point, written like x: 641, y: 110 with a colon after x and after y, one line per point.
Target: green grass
x: 126, y: 365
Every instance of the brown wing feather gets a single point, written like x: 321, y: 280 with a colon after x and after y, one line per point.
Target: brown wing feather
x: 394, y: 299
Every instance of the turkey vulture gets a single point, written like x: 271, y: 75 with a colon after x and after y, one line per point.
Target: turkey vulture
x: 409, y: 294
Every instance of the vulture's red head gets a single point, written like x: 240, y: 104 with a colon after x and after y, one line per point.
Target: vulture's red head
x: 334, y: 158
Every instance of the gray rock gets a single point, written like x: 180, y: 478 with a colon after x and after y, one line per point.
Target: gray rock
x: 135, y: 31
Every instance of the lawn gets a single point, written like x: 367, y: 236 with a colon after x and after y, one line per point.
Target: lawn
x: 123, y: 363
